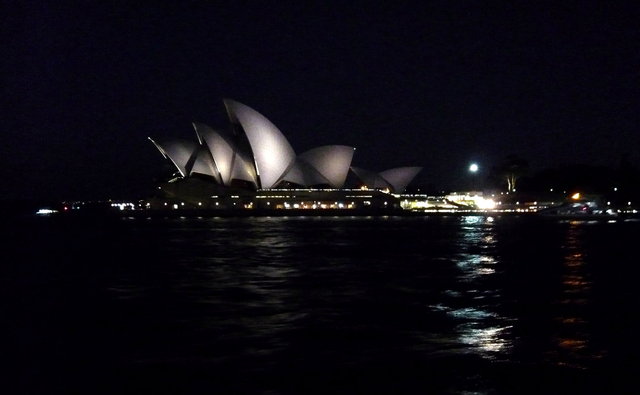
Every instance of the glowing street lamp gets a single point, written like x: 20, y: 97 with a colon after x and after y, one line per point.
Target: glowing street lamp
x: 473, y: 167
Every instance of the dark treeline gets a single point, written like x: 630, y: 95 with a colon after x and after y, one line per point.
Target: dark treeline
x: 617, y: 184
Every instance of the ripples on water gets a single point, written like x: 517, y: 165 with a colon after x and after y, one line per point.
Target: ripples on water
x: 431, y: 304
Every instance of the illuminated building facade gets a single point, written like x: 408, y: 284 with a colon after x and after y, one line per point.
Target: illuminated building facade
x: 253, y: 159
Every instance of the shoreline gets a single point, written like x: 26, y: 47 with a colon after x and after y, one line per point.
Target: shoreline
x: 222, y: 213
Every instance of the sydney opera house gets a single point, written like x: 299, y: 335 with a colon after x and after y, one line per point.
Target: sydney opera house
x: 252, y: 165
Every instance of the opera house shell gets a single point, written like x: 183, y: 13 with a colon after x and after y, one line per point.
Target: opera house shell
x: 395, y: 180
x: 253, y: 154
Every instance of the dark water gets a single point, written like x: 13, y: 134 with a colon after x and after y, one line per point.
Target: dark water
x: 320, y: 305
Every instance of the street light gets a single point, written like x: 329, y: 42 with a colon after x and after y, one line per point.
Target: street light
x: 473, y: 167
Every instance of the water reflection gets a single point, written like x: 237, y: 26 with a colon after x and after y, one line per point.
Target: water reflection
x: 266, y: 301
x: 262, y: 274
x: 489, y: 341
x: 480, y: 329
x: 572, y: 339
x: 227, y: 285
x: 477, y: 241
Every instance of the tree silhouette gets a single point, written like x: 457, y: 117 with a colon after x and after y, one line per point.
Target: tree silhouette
x: 512, y: 168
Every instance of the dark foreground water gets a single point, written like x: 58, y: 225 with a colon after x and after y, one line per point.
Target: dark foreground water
x: 319, y: 305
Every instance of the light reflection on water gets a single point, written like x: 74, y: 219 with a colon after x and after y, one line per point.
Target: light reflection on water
x: 286, y: 305
x: 354, y: 289
x: 269, y: 269
x: 482, y: 329
x: 572, y: 338
x: 488, y: 341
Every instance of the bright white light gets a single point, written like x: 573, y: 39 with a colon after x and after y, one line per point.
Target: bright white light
x: 473, y: 168
x: 486, y: 204
x: 46, y: 211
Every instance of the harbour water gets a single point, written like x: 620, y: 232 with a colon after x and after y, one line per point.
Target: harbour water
x: 467, y: 304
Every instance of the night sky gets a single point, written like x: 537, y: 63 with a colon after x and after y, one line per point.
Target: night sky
x: 433, y: 84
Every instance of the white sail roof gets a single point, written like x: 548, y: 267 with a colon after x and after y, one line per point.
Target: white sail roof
x: 243, y: 169
x: 331, y: 161
x: 304, y: 174
x: 400, y: 177
x: 203, y: 163
x: 395, y: 179
x: 179, y: 153
x: 272, y: 152
x: 221, y: 149
x: 257, y: 152
x: 370, y: 178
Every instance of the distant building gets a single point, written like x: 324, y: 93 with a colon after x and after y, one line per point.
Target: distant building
x: 252, y: 163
